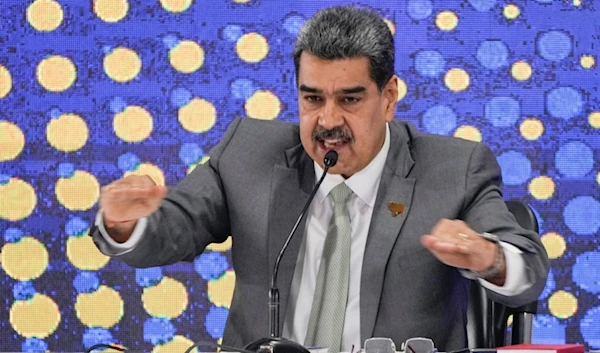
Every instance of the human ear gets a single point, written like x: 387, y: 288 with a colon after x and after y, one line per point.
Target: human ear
x: 390, y: 92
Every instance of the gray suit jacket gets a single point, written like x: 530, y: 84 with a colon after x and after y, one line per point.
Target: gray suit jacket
x: 254, y: 186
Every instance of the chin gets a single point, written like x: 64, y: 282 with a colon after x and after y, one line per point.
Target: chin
x: 339, y: 170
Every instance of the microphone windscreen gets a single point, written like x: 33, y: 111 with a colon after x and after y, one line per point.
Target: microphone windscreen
x: 380, y: 345
x: 330, y: 159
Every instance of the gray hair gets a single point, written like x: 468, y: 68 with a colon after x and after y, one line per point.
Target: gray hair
x: 347, y: 32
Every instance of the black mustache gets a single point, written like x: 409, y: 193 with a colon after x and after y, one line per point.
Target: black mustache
x: 337, y: 133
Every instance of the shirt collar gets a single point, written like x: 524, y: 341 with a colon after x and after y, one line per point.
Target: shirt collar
x: 363, y: 183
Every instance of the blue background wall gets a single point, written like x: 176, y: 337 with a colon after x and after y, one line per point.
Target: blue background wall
x: 93, y: 90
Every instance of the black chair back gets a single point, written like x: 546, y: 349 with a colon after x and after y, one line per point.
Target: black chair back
x: 487, y: 320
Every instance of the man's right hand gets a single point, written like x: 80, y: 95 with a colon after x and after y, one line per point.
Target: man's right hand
x: 126, y: 200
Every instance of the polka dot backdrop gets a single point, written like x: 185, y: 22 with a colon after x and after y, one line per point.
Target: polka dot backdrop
x: 91, y: 91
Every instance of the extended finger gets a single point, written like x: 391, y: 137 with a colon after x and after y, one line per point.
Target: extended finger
x: 128, y: 193
x: 449, y: 256
x: 447, y: 245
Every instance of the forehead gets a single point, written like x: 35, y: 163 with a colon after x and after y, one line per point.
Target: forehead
x: 321, y: 73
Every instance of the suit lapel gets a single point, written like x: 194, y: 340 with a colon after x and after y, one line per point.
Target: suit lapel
x: 290, y: 189
x: 394, y: 187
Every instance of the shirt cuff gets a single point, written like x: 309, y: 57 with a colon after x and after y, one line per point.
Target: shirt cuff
x: 516, y: 281
x: 122, y: 248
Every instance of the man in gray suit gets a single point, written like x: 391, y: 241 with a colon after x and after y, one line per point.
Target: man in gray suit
x: 424, y: 212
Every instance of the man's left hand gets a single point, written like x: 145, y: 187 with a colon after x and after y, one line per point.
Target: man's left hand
x: 454, y: 243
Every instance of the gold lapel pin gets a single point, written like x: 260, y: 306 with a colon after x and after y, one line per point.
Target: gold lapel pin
x: 396, y: 208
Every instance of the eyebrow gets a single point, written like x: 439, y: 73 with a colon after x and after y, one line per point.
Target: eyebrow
x: 350, y: 90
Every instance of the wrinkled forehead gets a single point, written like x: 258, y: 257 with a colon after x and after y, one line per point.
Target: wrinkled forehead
x: 335, y: 75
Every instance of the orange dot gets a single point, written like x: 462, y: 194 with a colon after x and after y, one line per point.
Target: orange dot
x: 531, y: 129
x: 5, y: 82
x: 390, y: 25
x: 468, y: 132
x: 80, y: 192
x: 511, y: 11
x: 521, y: 71
x: 587, y: 61
x: 554, y: 244
x: 263, y: 105
x: 402, y: 89
x: 457, y: 80
x: 17, y: 200
x: 38, y: 317
x: 56, y: 73
x: 594, y: 120
x: 252, y: 47
x: 45, y: 15
x: 542, y: 187
x: 562, y: 304
x: 12, y: 141
x: 446, y: 20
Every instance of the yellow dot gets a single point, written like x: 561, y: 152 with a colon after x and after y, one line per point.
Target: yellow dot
x: 175, y: 6
x: 577, y: 2
x: 562, y: 304
x: 198, y: 115
x: 221, y: 247
x: 187, y: 56
x: 17, y: 200
x: 446, y: 20
x: 457, y: 80
x: 598, y: 178
x: 12, y: 141
x: 220, y: 291
x: 84, y: 255
x: 38, y: 317
x: 587, y: 61
x: 122, y: 64
x: 531, y: 129
x: 263, y: 105
x: 67, y: 133
x: 555, y: 245
x: 111, y: 10
x: 241, y: 1
x: 5, y: 82
x: 521, y: 71
x: 56, y: 73
x: 167, y: 299
x: 154, y: 172
x: 193, y: 166
x: 468, y: 132
x: 594, y: 120
x: 177, y: 344
x: 511, y: 11
x: 79, y: 192
x: 25, y: 260
x: 102, y: 308
x: 542, y: 187
x: 252, y: 47
x: 402, y: 89
x: 390, y: 25
x: 134, y: 124
x: 45, y: 15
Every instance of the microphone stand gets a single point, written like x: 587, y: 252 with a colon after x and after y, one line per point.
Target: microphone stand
x: 276, y: 344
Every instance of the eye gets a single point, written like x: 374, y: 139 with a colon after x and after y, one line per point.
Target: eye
x: 312, y: 98
x: 351, y: 100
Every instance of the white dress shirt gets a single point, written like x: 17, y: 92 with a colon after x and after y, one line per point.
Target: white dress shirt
x: 364, y: 186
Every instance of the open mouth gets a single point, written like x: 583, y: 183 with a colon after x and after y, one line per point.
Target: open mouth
x: 334, y: 139
x: 332, y: 144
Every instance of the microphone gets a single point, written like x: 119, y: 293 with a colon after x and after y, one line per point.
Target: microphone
x: 276, y: 344
x: 380, y: 345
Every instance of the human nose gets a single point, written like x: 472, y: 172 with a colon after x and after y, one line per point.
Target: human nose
x: 330, y: 116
